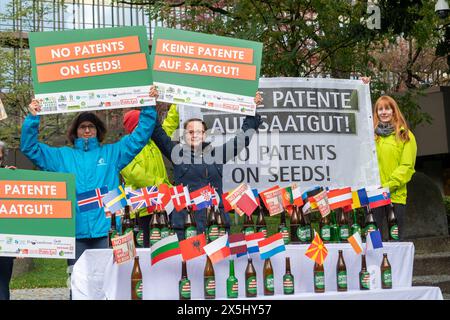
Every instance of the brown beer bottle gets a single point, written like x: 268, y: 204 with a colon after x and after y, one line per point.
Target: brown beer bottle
x: 319, y: 278
x: 306, y: 233
x: 220, y: 222
x: 295, y: 225
x: 393, y: 225
x: 341, y: 273
x: 386, y: 273
x: 364, y: 275
x: 344, y: 227
x: 212, y: 232
x: 325, y: 228
x: 209, y: 280
x: 127, y: 224
x: 190, y: 227
x: 155, y: 229
x: 370, y: 224
x: 164, y: 223
x: 249, y: 225
x: 251, y: 287
x: 112, y: 233
x: 138, y: 233
x: 184, y: 284
x: 288, y: 279
x: 261, y: 225
x: 269, y: 285
x: 136, y: 281
x: 283, y: 229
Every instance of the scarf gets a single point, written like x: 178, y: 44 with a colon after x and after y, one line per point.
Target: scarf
x: 384, y: 129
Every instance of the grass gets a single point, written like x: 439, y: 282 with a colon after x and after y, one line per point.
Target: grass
x: 47, y: 273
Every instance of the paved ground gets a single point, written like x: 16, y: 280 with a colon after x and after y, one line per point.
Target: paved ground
x: 40, y: 294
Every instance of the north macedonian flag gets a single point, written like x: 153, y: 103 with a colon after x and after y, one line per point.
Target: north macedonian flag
x: 317, y: 250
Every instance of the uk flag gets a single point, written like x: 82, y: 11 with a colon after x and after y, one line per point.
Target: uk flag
x: 146, y: 197
x: 92, y: 199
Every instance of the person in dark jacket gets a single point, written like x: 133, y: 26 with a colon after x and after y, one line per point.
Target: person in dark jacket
x: 198, y: 164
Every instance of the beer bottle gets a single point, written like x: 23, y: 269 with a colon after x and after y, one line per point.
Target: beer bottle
x: 325, y: 228
x: 212, y: 232
x: 306, y: 233
x: 334, y: 228
x: 164, y: 223
x: 261, y: 225
x: 190, y: 227
x: 220, y: 222
x: 184, y: 284
x: 386, y: 273
x: 364, y: 275
x: 269, y: 288
x: 284, y: 229
x: 319, y: 278
x: 136, y: 280
x: 341, y: 273
x: 155, y: 229
x: 355, y: 225
x: 248, y: 227
x: 138, y: 233
x: 112, y: 233
x: 370, y: 223
x: 209, y: 280
x: 127, y: 224
x: 344, y: 229
x: 294, y: 225
x: 251, y: 287
x: 288, y: 279
x: 232, y: 283
x: 393, y: 225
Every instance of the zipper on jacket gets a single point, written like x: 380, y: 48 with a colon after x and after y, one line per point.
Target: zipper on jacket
x: 86, y: 145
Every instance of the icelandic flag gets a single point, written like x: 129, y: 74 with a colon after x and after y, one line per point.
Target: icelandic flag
x: 271, y: 246
x: 143, y: 198
x: 252, y: 241
x: 379, y: 197
x: 373, y: 240
x: 92, y: 199
x: 115, y: 200
x: 201, y: 198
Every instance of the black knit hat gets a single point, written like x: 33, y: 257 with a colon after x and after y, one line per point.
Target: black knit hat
x: 87, y: 116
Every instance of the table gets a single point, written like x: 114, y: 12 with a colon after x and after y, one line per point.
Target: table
x: 96, y: 277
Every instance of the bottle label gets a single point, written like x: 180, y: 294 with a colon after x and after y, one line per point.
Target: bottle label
x: 210, y: 286
x: 394, y: 232
x: 268, y: 283
x: 222, y: 231
x: 185, y: 288
x: 387, y: 278
x: 319, y: 279
x: 288, y: 284
x: 250, y: 285
x: 155, y: 235
x: 365, y: 280
x: 304, y: 233
x: 213, y: 232
x: 138, y: 289
x: 286, y: 236
x: 369, y: 228
x: 263, y: 230
x: 164, y: 232
x: 249, y: 230
x: 344, y: 232
x: 140, y: 238
x: 190, y: 232
x: 325, y: 233
x: 342, y: 279
x: 232, y: 287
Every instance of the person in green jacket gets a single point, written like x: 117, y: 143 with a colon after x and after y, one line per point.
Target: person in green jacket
x: 147, y: 168
x: 396, y: 152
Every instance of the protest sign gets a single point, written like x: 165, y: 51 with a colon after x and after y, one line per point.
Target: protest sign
x: 91, y: 69
x: 315, y: 132
x: 37, y: 214
x: 123, y: 248
x: 202, y: 70
x: 273, y: 200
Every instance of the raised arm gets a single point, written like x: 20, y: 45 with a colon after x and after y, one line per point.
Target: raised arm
x: 163, y: 141
x: 172, y: 120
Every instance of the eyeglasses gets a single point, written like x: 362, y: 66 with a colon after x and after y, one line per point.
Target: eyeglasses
x: 89, y: 126
x: 196, y: 132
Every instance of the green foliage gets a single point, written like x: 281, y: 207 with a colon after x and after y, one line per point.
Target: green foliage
x: 47, y: 273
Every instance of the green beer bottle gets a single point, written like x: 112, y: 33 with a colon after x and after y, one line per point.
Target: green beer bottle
x: 334, y: 228
x: 190, y: 226
x: 283, y: 229
x: 232, y: 283
x: 355, y: 227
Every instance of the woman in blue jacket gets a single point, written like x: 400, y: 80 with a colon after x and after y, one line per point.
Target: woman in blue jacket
x: 94, y: 164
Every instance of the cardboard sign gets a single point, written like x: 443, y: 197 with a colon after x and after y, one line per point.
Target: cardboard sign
x: 123, y: 248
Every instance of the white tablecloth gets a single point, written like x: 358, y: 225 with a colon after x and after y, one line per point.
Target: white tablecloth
x: 96, y: 277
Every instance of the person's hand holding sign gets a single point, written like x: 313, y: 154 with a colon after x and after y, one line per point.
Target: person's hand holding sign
x: 153, y: 92
x: 258, y: 99
x: 34, y: 107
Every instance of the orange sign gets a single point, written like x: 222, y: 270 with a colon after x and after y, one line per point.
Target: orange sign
x: 92, y: 67
x: 87, y: 49
x: 205, y: 68
x: 204, y: 51
x: 26, y: 209
x: 18, y: 189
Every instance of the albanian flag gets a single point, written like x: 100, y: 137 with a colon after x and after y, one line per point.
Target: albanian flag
x: 193, y: 247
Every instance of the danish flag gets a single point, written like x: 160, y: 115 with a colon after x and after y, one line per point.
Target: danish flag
x: 180, y: 197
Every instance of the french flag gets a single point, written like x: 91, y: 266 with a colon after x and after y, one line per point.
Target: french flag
x: 252, y: 241
x: 379, y: 197
x: 271, y: 246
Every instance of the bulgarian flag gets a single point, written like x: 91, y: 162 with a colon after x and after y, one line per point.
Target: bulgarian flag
x: 165, y: 248
x: 317, y: 250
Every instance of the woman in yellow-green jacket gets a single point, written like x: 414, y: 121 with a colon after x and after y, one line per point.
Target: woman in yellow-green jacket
x: 396, y: 151
x: 147, y: 168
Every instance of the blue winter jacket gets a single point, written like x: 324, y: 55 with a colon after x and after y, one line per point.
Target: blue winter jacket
x: 93, y: 164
